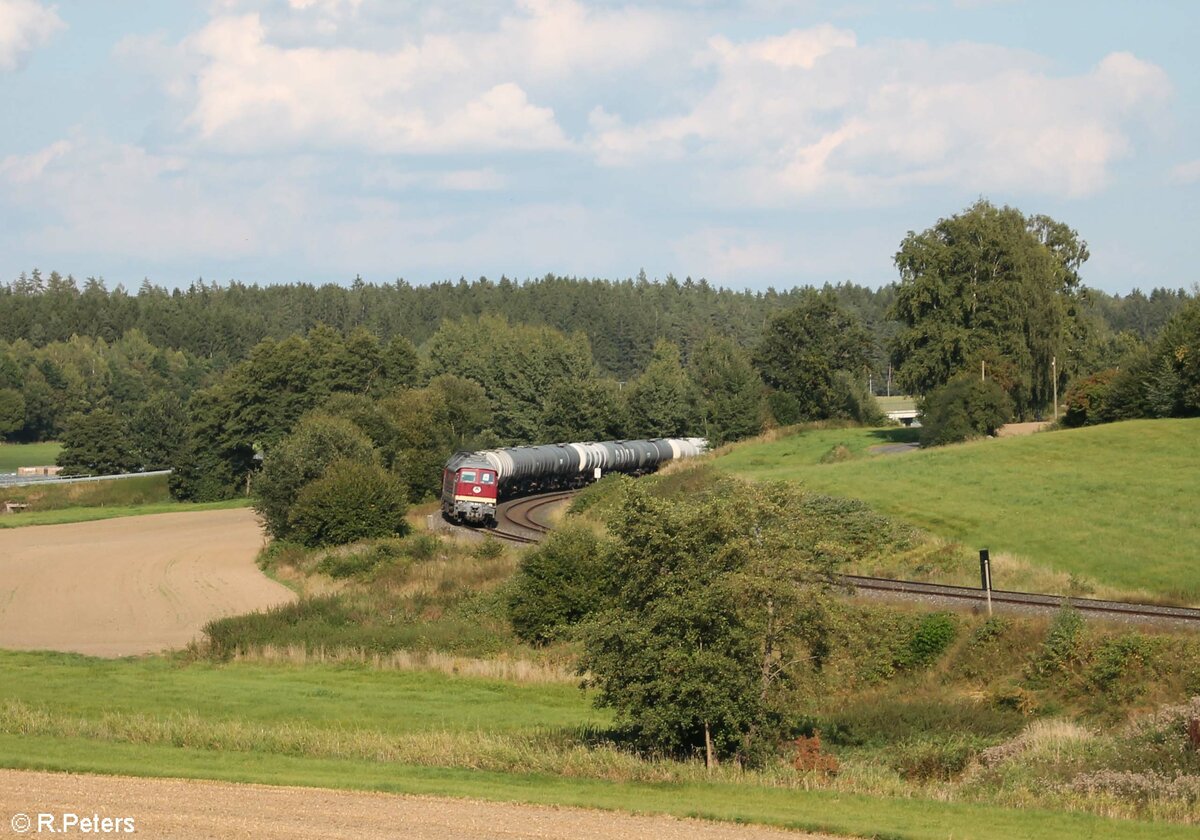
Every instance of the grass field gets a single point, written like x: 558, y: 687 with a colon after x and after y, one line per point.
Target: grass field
x: 65, y: 516
x: 13, y: 455
x: 59, y: 504
x: 1115, y: 503
x: 897, y: 403
x: 349, y: 727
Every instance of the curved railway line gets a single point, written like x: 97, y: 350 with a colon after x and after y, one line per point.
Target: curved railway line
x: 516, y: 523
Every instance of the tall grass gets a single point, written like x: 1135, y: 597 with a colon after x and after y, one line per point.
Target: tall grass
x: 502, y: 668
x: 144, y: 490
x: 385, y: 599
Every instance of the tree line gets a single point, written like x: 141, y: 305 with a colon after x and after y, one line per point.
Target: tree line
x: 209, y: 379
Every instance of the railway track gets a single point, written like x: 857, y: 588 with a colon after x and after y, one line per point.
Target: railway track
x: 1030, y: 602
x: 515, y: 519
x: 517, y: 524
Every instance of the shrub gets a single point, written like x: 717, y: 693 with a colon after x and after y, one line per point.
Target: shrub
x: 933, y: 635
x: 1119, y: 663
x: 837, y: 454
x: 357, y: 562
x: 852, y: 400
x: 1061, y: 649
x: 423, y: 547
x: 1086, y: 399
x: 964, y: 408
x: 300, y: 458
x: 350, y: 501
x: 808, y: 756
x: 890, y: 718
x: 938, y: 759
x: 559, y: 583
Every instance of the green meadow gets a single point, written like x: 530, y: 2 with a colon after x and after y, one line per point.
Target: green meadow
x: 1119, y: 504
x: 59, y: 504
x: 428, y: 733
x: 14, y: 455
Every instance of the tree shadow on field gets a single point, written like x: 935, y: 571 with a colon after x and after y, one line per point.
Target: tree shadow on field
x: 897, y: 434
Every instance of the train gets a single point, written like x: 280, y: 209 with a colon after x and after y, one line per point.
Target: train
x: 473, y: 483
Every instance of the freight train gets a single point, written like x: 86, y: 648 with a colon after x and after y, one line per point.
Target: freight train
x: 474, y: 482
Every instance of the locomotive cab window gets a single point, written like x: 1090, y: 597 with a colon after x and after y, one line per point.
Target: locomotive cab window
x: 485, y: 478
x: 468, y: 476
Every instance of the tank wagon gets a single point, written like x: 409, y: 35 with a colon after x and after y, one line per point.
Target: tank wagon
x: 473, y: 483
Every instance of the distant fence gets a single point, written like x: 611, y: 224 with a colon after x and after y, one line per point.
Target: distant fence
x: 14, y: 480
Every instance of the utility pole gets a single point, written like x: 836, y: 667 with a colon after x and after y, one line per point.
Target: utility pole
x: 1054, y: 380
x: 982, y: 371
x: 889, y: 380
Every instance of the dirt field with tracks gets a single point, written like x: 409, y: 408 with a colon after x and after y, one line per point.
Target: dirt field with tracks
x: 132, y: 585
x: 183, y: 810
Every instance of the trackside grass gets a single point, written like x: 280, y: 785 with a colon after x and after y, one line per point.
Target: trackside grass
x: 65, y: 516
x: 1114, y: 503
x: 60, y: 504
x: 345, y: 727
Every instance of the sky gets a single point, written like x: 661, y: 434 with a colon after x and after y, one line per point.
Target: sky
x: 756, y: 144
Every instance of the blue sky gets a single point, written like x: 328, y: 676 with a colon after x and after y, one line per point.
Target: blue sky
x: 754, y: 144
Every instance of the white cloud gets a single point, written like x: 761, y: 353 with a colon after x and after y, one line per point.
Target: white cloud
x: 472, y: 180
x: 106, y: 201
x: 22, y: 169
x: 329, y: 7
x: 441, y: 89
x: 252, y: 95
x: 24, y: 26
x: 811, y: 112
x: 112, y: 198
x: 729, y: 253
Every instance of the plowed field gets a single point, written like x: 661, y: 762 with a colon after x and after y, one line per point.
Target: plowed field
x: 127, y: 586
x: 184, y: 810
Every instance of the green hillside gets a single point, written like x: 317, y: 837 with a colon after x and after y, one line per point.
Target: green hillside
x: 1119, y: 503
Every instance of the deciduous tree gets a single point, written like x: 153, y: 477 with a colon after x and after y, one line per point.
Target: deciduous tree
x: 802, y: 349
x: 990, y: 284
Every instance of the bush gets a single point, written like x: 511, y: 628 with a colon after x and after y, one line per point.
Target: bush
x: 301, y: 457
x: 358, y: 562
x: 1086, y: 399
x: 964, y: 408
x: 1061, y: 649
x: 853, y: 401
x: 938, y: 759
x: 904, y: 716
x: 559, y: 584
x: 934, y: 634
x: 809, y: 757
x: 1118, y: 666
x: 350, y: 501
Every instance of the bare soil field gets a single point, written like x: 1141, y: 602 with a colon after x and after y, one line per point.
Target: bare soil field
x: 196, y: 809
x: 135, y: 585
x: 1019, y: 429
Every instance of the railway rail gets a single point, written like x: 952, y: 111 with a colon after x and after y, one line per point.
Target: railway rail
x: 517, y: 524
x: 515, y: 520
x: 1030, y: 602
